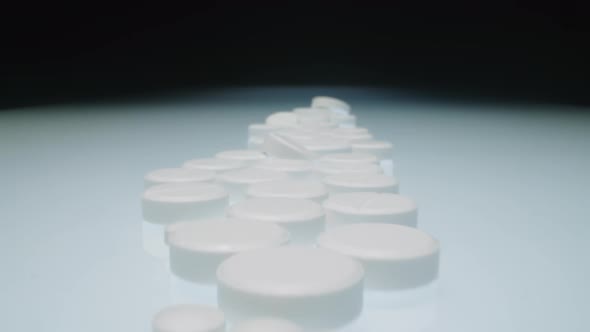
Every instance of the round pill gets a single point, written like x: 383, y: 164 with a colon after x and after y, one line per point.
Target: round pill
x: 197, y: 248
x: 290, y: 188
x: 298, y: 133
x: 169, y: 203
x: 331, y: 103
x: 393, y: 256
x: 236, y: 182
x: 260, y: 129
x: 351, y: 131
x: 326, y: 168
x: 312, y: 115
x: 350, y: 157
x: 266, y: 325
x: 313, y: 287
x: 380, y: 149
x: 352, y: 135
x: 297, y: 168
x: 303, y: 218
x: 189, y: 318
x: 322, y: 145
x: 361, y: 182
x: 318, y: 126
x: 312, y: 111
x: 279, y: 146
x: 214, y: 164
x: 249, y: 157
x: 344, y: 120
x: 353, y: 138
x: 177, y: 175
x: 282, y: 119
x: 362, y: 207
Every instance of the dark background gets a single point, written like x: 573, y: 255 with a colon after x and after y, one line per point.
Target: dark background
x: 490, y: 51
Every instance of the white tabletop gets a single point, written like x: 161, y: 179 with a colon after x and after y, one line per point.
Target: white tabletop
x: 506, y: 190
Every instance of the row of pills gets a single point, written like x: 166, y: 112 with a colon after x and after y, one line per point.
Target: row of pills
x: 296, y: 227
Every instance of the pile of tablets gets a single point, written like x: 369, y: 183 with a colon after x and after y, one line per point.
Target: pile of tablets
x: 288, y: 234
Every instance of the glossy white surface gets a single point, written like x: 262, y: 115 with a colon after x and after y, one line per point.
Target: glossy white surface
x: 504, y: 188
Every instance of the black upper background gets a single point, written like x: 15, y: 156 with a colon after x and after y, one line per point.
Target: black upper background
x: 495, y: 50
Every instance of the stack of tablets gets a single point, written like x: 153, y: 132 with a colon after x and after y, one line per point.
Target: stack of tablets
x: 289, y: 233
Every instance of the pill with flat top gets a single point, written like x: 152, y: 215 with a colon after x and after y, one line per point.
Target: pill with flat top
x: 393, y: 256
x: 383, y: 150
x: 260, y: 129
x: 177, y: 175
x: 282, y: 119
x: 344, y: 120
x: 340, y: 183
x: 296, y: 168
x: 217, y: 165
x: 279, y: 146
x: 312, y: 115
x: 380, y: 149
x: 334, y: 104
x: 321, y: 145
x: 350, y: 157
x: 326, y: 168
x: 318, y: 126
x: 299, y: 132
x: 236, y: 182
x: 363, y: 207
x: 353, y: 135
x: 313, y: 287
x: 290, y: 188
x: 304, y: 219
x: 169, y: 203
x: 248, y: 157
x: 197, y: 248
